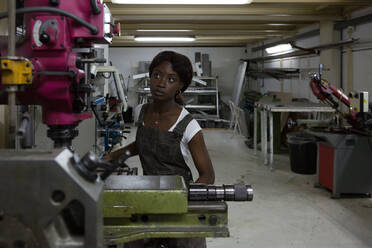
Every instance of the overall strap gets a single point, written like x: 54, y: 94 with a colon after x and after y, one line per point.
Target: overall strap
x: 181, y: 126
x: 141, y: 115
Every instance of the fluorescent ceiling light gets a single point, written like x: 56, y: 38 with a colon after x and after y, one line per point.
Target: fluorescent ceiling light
x: 279, y: 48
x: 163, y: 30
x: 185, y: 2
x: 279, y: 24
x: 164, y: 39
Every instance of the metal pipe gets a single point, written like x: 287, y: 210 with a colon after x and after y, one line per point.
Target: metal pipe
x: 342, y: 61
x: 353, y: 22
x: 262, y: 132
x: 305, y: 52
x: 264, y: 139
x: 12, y: 114
x: 287, y: 40
x: 11, y: 27
x: 255, y: 120
x: 271, y: 128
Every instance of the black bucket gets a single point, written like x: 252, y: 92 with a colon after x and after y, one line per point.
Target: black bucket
x: 302, y: 152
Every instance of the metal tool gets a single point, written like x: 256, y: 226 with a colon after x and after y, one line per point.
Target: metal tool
x: 357, y: 114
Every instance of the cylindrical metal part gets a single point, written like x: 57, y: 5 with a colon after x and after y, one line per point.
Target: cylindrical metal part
x: 249, y: 193
x: 198, y: 192
x: 220, y: 193
x: 62, y: 135
x: 212, y: 192
x: 22, y: 128
x: 12, y: 115
x: 28, y: 140
x: 229, y: 192
x: 243, y: 192
x: 226, y: 192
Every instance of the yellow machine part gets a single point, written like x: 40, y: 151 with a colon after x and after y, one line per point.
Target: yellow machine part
x: 16, y: 72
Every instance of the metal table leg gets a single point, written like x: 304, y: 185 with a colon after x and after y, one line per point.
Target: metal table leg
x: 262, y: 132
x: 255, y: 130
x: 271, y: 140
x: 264, y: 141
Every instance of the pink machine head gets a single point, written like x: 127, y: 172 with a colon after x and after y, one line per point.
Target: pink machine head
x: 59, y: 38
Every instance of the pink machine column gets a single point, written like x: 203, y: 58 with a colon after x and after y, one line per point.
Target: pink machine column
x: 59, y: 43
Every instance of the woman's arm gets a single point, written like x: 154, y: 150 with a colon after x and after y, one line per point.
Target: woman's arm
x: 201, y: 159
x: 131, y: 148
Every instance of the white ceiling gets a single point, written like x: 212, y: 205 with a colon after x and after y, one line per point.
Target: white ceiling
x: 228, y: 25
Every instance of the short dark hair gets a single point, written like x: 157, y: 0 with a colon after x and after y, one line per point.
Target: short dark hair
x: 180, y: 64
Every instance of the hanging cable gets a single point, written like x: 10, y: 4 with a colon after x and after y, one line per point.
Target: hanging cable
x: 93, y: 29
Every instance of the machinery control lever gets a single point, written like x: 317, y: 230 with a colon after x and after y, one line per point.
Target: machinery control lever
x: 90, y: 165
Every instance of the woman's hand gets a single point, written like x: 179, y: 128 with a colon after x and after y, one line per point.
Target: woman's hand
x: 131, y: 149
x: 107, y: 157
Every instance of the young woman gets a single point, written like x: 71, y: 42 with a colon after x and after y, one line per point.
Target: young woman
x: 167, y: 136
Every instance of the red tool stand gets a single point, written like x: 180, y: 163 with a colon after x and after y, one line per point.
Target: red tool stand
x: 344, y: 163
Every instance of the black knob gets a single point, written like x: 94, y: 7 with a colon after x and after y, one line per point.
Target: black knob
x: 90, y: 161
x: 213, y: 220
x: 44, y: 38
x: 54, y: 2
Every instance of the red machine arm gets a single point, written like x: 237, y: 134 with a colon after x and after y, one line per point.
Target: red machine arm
x: 327, y: 92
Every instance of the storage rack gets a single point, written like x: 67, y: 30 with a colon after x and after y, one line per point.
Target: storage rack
x: 201, y: 86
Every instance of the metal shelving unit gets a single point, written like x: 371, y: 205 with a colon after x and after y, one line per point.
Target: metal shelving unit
x: 196, y: 102
x: 202, y: 99
x: 196, y: 97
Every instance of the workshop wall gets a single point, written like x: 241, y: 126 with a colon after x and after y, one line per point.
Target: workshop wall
x: 361, y: 56
x: 225, y: 61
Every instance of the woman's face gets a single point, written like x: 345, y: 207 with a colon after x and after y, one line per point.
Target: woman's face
x: 164, y: 82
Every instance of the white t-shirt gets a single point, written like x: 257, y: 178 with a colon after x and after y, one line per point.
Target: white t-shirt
x: 192, y: 128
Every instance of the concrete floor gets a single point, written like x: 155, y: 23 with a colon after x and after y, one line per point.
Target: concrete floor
x: 287, y: 211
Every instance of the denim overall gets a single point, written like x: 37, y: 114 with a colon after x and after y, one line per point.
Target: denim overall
x: 160, y: 154
x: 160, y: 151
